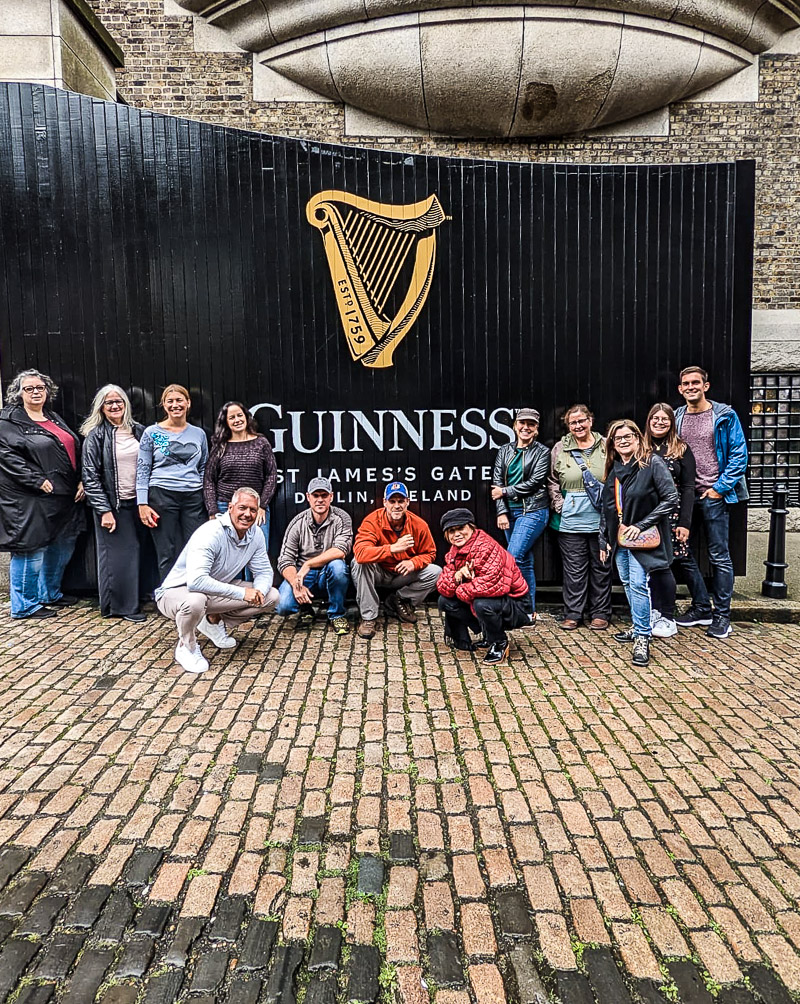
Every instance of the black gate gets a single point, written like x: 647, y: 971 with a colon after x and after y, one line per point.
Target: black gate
x: 142, y: 249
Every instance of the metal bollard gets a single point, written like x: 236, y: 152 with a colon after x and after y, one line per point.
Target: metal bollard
x: 773, y: 585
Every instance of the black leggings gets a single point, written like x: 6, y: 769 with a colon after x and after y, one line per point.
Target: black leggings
x: 662, y: 592
x: 180, y: 514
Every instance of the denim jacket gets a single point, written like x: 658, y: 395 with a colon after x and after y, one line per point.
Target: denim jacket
x: 731, y: 449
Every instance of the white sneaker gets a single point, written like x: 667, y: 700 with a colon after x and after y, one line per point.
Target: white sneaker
x: 655, y: 617
x: 216, y: 633
x: 192, y: 662
x: 664, y: 628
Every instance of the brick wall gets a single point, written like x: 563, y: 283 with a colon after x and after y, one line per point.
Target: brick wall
x: 165, y: 73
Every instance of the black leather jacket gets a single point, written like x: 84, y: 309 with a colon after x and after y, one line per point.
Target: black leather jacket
x: 532, y: 490
x: 100, y: 467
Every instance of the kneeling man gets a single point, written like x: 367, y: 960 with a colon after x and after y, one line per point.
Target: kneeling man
x: 393, y: 548
x: 313, y: 558
x: 204, y: 592
x: 481, y: 588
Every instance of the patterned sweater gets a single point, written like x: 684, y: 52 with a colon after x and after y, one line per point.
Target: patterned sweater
x: 248, y: 464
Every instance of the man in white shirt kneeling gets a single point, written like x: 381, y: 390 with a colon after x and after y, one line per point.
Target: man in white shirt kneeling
x: 204, y: 591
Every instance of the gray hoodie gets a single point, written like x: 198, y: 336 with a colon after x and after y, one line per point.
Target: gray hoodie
x: 214, y: 557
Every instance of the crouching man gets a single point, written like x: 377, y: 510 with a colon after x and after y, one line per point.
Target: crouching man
x: 204, y: 590
x: 481, y: 588
x: 393, y: 548
x: 313, y: 558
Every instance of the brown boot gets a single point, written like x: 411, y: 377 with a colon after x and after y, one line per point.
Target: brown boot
x: 400, y: 608
x: 366, y: 629
x: 569, y: 624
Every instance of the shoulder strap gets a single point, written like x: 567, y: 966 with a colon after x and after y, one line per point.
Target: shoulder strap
x: 618, y: 496
x: 580, y: 460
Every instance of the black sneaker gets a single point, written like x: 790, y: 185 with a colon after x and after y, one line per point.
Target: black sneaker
x: 63, y: 601
x: 720, y: 627
x: 694, y: 617
x: 641, y: 651
x: 458, y: 646
x: 625, y: 635
x: 39, y: 614
x: 497, y: 652
x: 306, y: 616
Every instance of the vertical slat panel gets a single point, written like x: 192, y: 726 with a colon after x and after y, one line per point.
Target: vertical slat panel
x: 145, y: 249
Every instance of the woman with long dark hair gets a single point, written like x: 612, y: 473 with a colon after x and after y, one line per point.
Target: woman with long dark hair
x: 239, y: 457
x: 661, y: 438
x: 110, y: 453
x: 40, y: 486
x: 638, y: 496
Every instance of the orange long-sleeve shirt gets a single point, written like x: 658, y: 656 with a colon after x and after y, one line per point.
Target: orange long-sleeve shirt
x: 375, y: 535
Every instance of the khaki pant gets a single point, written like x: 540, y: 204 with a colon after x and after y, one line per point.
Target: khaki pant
x: 414, y: 587
x: 188, y: 608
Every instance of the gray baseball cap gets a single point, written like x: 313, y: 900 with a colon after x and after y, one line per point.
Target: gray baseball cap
x: 319, y: 485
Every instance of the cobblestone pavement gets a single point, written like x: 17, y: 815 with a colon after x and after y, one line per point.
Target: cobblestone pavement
x: 324, y: 819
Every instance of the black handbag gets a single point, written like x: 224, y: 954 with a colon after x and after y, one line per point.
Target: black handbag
x: 594, y: 488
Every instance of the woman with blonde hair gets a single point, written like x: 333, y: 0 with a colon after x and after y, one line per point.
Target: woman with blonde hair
x: 638, y: 496
x: 169, y: 477
x: 661, y: 437
x: 110, y: 454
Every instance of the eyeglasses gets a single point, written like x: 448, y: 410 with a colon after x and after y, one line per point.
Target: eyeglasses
x: 660, y: 421
x: 38, y: 388
x: 578, y: 421
x: 624, y: 439
x: 114, y: 403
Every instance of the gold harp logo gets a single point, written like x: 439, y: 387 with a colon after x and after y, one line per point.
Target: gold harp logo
x: 369, y: 249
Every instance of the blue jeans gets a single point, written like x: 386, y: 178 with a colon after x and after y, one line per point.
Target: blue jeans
x: 715, y: 515
x: 634, y: 579
x: 331, y: 580
x: 525, y: 530
x: 35, y: 576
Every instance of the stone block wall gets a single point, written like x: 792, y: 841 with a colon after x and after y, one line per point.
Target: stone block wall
x: 60, y: 43
x: 178, y: 65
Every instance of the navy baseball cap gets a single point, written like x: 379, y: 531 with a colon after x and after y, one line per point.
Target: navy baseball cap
x: 395, y: 488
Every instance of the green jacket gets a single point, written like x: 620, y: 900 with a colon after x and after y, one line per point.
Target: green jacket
x: 565, y: 474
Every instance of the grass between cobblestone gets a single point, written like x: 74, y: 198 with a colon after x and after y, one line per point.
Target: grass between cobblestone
x: 533, y: 820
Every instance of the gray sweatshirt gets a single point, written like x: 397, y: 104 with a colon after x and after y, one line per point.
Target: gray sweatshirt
x: 214, y: 557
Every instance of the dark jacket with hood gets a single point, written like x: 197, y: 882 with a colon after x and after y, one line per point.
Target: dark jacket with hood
x: 100, y: 466
x: 648, y: 497
x: 30, y: 518
x: 531, y: 491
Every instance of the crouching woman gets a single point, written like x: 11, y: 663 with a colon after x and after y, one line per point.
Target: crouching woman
x: 481, y: 588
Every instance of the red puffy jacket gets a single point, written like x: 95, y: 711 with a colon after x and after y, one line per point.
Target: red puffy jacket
x: 496, y: 573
